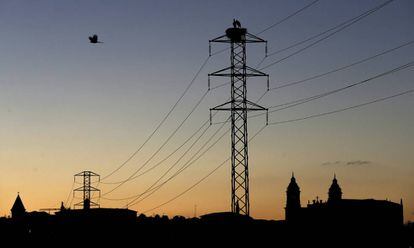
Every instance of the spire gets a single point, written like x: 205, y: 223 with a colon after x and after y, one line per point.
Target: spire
x: 292, y: 199
x: 293, y: 179
x: 293, y: 186
x: 334, y: 180
x: 18, y: 208
x: 293, y: 191
x: 335, y: 191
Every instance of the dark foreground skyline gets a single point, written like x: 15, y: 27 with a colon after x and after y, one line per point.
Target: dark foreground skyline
x: 341, y: 223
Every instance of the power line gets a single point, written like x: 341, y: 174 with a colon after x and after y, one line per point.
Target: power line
x: 178, y: 160
x: 168, y: 156
x: 287, y: 84
x: 276, y: 123
x: 343, y: 109
x: 160, y: 148
x: 283, y: 85
x: 201, y: 180
x: 162, y: 121
x: 301, y: 101
x: 315, y: 36
x: 189, y: 162
x: 318, y: 96
x: 362, y: 16
x: 220, y: 85
x: 188, y: 189
x: 69, y: 195
x: 288, y: 17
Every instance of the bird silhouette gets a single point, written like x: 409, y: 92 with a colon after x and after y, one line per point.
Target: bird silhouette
x: 236, y: 23
x: 94, y: 39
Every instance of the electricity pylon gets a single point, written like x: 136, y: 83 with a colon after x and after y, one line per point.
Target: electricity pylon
x: 86, y: 189
x: 238, y: 106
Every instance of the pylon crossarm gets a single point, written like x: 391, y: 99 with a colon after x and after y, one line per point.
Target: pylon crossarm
x: 82, y: 188
x: 226, y: 72
x: 254, y: 72
x: 221, y: 39
x: 91, y: 173
x: 239, y: 109
x: 251, y: 38
x: 94, y: 189
x: 248, y: 38
x: 255, y: 106
x: 219, y: 73
x: 220, y: 107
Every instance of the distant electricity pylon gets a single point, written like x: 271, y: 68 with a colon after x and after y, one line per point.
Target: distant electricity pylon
x: 238, y: 107
x: 86, y: 203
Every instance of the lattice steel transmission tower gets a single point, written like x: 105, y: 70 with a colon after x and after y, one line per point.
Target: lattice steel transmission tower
x: 238, y: 106
x: 86, y: 189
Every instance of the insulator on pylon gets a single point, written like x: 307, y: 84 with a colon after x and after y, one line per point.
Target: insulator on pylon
x: 268, y: 83
x: 267, y: 117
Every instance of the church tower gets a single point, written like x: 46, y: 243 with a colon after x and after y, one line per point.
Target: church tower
x: 292, y: 200
x: 18, y: 209
x: 335, y: 192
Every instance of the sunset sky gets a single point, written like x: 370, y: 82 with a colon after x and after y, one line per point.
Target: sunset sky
x: 67, y: 105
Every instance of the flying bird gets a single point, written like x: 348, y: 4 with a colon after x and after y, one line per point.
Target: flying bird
x: 94, y: 39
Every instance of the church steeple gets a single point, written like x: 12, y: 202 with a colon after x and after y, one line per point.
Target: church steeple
x: 293, y: 187
x: 292, y: 199
x: 18, y: 209
x: 335, y: 191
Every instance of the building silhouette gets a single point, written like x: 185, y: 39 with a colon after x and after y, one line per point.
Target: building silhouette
x: 292, y: 200
x: 368, y: 220
x: 363, y: 212
x: 336, y: 222
x: 335, y: 192
x: 18, y: 210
